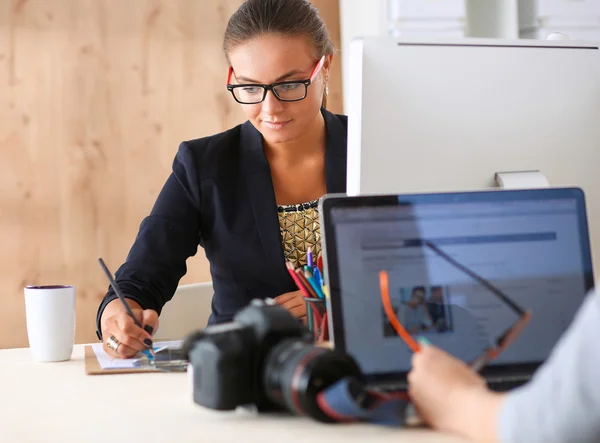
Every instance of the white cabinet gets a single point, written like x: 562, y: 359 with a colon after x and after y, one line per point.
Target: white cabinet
x: 582, y: 33
x: 579, y: 19
x: 492, y: 19
x: 426, y: 18
x: 427, y: 9
x: 568, y: 8
x: 452, y: 19
x: 449, y: 29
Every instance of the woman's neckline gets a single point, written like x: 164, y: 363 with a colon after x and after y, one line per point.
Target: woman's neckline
x: 299, y: 206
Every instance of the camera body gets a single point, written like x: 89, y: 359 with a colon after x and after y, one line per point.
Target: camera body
x: 227, y: 359
x: 266, y: 358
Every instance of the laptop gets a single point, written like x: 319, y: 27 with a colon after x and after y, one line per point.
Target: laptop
x: 531, y: 245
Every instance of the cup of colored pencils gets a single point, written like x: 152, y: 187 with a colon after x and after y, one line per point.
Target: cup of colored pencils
x: 309, y: 279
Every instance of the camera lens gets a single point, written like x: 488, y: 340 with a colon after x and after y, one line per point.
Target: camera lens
x: 295, y: 372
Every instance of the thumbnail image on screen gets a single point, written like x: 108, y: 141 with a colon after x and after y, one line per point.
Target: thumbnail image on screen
x: 420, y: 309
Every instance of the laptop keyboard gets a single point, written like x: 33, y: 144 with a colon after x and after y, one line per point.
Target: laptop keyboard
x: 507, y: 384
x: 391, y: 388
x: 503, y: 384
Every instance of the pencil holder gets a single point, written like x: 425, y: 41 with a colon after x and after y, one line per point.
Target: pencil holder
x: 316, y: 315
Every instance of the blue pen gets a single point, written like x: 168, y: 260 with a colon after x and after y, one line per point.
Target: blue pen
x: 309, y: 257
x: 317, y: 276
x: 315, y: 286
x: 148, y: 354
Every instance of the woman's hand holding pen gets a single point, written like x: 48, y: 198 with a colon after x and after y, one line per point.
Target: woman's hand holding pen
x: 116, y: 321
x: 294, y: 303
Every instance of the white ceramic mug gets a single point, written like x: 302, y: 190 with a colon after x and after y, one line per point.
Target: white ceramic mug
x: 50, y: 315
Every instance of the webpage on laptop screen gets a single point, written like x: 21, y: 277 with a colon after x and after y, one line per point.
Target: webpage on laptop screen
x: 529, y: 250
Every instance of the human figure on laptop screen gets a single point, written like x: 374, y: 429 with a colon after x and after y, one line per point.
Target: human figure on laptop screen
x: 437, y: 309
x: 249, y: 195
x: 415, y: 317
x: 560, y: 404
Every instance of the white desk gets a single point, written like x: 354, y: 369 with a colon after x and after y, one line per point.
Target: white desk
x: 58, y: 402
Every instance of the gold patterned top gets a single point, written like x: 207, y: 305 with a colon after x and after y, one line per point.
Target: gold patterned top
x: 300, y: 228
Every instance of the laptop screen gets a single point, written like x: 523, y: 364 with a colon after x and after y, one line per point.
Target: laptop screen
x: 532, y: 245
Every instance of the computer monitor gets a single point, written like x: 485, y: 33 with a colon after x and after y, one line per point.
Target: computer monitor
x: 471, y: 114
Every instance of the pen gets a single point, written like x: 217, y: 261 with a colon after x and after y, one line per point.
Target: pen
x: 310, y: 293
x: 309, y: 257
x: 309, y: 316
x: 317, y: 276
x: 290, y: 268
x: 314, y: 284
x: 117, y: 290
x: 306, y: 283
x: 301, y: 282
x: 320, y: 263
x: 315, y: 309
x: 313, y: 295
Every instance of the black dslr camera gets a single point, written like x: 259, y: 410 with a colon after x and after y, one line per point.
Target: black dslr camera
x: 264, y: 358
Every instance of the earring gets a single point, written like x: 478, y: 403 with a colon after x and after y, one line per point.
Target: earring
x: 326, y: 85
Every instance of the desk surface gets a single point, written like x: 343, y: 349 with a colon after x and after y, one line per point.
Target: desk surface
x: 48, y: 402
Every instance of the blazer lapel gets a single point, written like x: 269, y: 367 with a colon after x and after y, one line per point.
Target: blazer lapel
x: 262, y: 196
x: 335, y: 154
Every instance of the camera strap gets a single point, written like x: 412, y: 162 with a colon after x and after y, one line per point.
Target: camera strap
x: 348, y: 401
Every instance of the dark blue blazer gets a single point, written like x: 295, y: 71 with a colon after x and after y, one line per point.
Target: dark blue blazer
x: 219, y: 196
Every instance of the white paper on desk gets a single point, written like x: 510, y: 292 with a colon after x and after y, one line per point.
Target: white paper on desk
x: 108, y: 362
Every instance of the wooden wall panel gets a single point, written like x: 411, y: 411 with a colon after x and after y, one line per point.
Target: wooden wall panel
x: 95, y: 97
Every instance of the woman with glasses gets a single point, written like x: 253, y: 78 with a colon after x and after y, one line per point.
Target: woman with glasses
x: 248, y: 196
x: 560, y: 404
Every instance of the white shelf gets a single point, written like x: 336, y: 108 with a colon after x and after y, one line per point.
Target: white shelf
x: 567, y: 8
x: 430, y: 10
x: 586, y: 34
x: 542, y: 13
x: 508, y: 19
x: 441, y: 28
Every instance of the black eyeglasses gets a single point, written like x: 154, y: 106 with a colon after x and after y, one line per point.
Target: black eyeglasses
x: 289, y: 91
